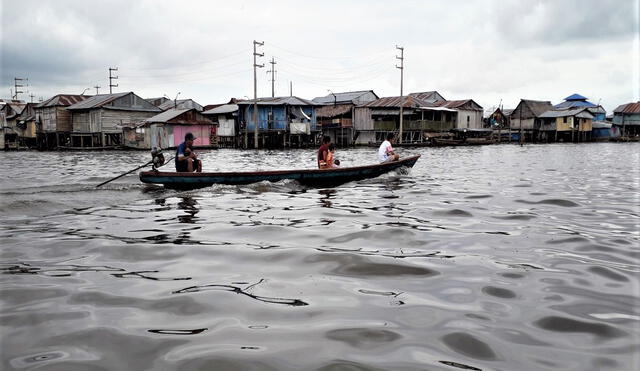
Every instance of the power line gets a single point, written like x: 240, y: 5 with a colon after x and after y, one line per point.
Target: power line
x: 327, y: 77
x: 208, y: 61
x: 348, y: 84
x: 329, y: 57
x: 152, y: 81
x: 176, y: 71
x: 337, y: 70
x: 364, y: 76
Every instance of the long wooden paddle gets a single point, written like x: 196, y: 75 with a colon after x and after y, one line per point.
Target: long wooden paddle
x: 128, y: 172
x: 131, y: 171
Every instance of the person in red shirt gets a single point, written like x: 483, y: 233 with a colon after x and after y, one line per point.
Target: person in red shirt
x: 331, y: 159
x: 323, y: 153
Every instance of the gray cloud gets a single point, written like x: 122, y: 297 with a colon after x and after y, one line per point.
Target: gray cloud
x: 559, y: 22
x: 487, y: 50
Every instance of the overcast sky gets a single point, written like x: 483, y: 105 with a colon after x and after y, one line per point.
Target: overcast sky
x: 489, y: 50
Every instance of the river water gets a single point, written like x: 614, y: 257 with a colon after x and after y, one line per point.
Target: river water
x: 480, y: 258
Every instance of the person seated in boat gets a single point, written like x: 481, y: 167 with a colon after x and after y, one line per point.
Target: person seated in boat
x: 331, y: 161
x: 186, y: 159
x: 385, y: 152
x: 323, y: 153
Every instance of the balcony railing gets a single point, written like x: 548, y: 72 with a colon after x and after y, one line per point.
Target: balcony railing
x: 425, y: 125
x: 273, y: 125
x: 336, y: 123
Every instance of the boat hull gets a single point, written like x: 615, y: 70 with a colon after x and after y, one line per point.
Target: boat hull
x: 310, y: 177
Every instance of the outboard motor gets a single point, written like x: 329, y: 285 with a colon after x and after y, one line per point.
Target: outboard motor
x: 157, y: 157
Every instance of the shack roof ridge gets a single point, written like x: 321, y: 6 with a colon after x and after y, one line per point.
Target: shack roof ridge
x: 63, y: 100
x: 290, y: 100
x: 396, y: 101
x: 168, y: 114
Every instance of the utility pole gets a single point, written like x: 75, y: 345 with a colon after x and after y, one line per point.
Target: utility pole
x: 18, y: 86
x: 291, y: 88
x: 401, y: 68
x: 112, y: 78
x: 521, y: 134
x: 97, y: 89
x: 273, y: 76
x: 255, y: 90
x: 31, y: 96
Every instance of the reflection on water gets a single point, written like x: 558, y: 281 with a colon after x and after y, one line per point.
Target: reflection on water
x: 487, y: 258
x: 190, y: 207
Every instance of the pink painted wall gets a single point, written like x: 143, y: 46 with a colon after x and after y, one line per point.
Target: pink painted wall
x: 201, y: 132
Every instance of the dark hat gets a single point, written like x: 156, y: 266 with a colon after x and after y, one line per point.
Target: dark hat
x: 189, y: 136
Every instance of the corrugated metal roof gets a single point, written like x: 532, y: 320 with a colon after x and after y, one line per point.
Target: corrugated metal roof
x: 180, y: 103
x: 628, y: 108
x: 225, y: 108
x: 277, y: 101
x: 454, y: 103
x: 407, y: 101
x: 348, y: 96
x: 97, y: 101
x: 575, y: 97
x: 444, y: 109
x: 63, y: 100
x: 17, y: 107
x: 429, y: 96
x: 168, y: 115
x: 157, y: 101
x: 601, y: 125
x: 574, y: 103
x: 389, y: 111
x: 579, y: 112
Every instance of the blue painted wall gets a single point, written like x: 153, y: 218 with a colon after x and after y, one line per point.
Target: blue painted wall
x: 279, y: 120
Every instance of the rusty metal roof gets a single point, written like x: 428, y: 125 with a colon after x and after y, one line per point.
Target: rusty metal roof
x: 628, y: 108
x: 63, y: 100
x: 332, y: 111
x: 459, y: 103
x: 407, y: 101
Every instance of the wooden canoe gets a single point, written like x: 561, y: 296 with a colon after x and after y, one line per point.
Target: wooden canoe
x: 309, y: 177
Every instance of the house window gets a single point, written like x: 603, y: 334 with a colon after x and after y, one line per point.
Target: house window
x: 564, y: 120
x: 468, y: 119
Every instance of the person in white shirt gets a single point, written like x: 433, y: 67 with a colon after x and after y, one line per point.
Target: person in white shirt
x: 385, y: 152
